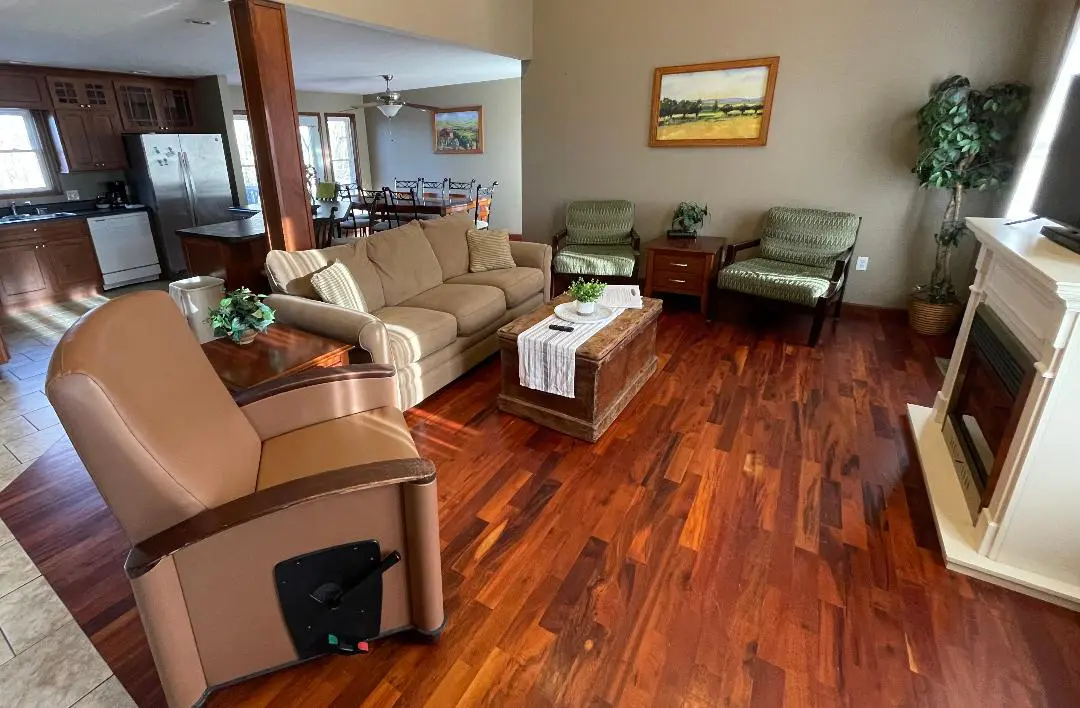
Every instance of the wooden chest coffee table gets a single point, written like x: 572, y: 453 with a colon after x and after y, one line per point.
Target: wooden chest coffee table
x: 610, y: 368
x: 277, y: 352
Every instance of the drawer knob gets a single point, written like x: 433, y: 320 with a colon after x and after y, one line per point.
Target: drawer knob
x: 681, y: 265
x: 676, y: 280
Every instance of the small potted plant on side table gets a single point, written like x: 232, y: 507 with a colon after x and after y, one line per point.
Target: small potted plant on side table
x: 688, y: 219
x: 241, y: 315
x: 586, y: 293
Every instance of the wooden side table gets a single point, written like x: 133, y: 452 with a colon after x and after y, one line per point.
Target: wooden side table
x: 277, y: 352
x: 684, y: 265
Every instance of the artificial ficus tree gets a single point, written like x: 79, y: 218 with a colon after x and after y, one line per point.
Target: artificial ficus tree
x: 967, y: 140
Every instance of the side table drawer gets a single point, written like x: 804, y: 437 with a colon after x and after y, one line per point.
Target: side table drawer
x: 689, y: 264
x: 678, y: 282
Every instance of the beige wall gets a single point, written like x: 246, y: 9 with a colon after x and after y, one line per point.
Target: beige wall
x: 402, y: 148
x: 852, y: 74
x: 497, y: 26
x: 317, y: 102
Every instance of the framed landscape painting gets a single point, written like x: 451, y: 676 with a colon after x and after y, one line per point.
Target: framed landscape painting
x: 725, y: 103
x: 458, y: 131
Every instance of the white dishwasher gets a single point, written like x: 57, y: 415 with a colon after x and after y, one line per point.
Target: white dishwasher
x: 125, y: 248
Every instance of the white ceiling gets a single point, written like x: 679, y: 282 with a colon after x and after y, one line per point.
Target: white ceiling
x: 153, y: 36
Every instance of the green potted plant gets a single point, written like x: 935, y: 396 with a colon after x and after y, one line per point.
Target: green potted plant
x: 688, y: 219
x: 241, y: 315
x: 967, y: 140
x: 586, y: 293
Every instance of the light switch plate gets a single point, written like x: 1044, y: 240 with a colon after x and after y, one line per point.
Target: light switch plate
x: 862, y: 262
x: 72, y: 195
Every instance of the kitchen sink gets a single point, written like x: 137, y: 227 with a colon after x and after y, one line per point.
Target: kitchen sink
x: 19, y: 218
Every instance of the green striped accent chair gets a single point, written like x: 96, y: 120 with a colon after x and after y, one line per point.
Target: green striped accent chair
x: 599, y: 241
x: 803, y: 259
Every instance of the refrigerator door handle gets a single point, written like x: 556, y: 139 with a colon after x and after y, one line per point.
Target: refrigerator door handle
x: 189, y: 189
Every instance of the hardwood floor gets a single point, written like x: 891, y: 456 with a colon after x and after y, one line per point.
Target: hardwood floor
x: 752, y: 531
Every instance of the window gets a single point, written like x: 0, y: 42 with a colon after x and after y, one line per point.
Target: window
x: 1027, y: 185
x: 247, y: 157
x: 341, y: 135
x: 24, y: 167
x: 311, y: 149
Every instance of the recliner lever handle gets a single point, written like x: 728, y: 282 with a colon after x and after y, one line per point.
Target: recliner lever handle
x: 333, y: 595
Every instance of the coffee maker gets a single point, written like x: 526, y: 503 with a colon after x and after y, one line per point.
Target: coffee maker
x: 116, y: 193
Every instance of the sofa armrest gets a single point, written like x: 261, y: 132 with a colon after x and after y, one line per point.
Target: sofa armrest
x: 316, y: 396
x: 263, y: 503
x: 342, y: 324
x: 534, y: 255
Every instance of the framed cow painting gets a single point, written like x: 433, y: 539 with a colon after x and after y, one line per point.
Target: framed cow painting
x: 458, y: 131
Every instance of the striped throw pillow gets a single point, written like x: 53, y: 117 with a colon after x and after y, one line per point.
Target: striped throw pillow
x: 489, y: 250
x: 337, y: 286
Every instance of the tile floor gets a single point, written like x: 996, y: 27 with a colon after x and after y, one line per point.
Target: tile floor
x: 45, y: 659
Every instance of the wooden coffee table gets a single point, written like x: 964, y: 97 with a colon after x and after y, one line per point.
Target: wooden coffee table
x: 609, y: 369
x: 277, y: 352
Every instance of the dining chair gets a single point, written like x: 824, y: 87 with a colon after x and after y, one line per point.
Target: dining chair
x: 432, y: 189
x: 326, y: 230
x: 403, y: 205
x: 373, y: 201
x: 402, y: 184
x: 482, y: 209
x: 461, y: 189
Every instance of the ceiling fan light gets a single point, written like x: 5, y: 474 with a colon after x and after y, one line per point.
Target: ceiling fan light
x: 389, y: 110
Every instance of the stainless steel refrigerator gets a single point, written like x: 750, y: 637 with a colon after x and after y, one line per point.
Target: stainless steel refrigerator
x: 184, y: 181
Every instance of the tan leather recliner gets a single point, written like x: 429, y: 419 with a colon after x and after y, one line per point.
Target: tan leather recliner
x: 217, y: 494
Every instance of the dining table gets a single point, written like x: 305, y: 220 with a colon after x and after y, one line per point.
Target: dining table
x: 320, y: 213
x: 438, y: 204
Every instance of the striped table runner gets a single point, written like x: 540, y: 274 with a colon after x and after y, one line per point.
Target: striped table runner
x: 546, y: 356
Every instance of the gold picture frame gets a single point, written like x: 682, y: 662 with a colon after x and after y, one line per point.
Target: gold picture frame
x: 716, y: 110
x: 458, y: 131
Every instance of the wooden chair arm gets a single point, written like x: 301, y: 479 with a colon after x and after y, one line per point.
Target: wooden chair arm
x: 635, y: 240
x: 735, y: 248
x: 841, y: 266
x: 557, y: 241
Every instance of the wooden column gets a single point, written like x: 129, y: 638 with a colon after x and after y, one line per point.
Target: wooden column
x: 262, y: 48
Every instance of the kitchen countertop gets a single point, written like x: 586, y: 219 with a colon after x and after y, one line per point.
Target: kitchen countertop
x: 81, y: 214
x: 231, y: 231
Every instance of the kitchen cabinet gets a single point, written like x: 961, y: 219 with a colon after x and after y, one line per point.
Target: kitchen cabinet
x: 85, y: 92
x: 151, y: 106
x: 23, y: 89
x: 46, y: 262
x: 91, y: 140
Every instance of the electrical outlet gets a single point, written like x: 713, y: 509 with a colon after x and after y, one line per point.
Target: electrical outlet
x: 862, y: 262
x: 72, y: 195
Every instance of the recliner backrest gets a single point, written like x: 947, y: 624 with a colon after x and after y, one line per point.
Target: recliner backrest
x: 599, y: 223
x: 812, y: 237
x: 154, y: 425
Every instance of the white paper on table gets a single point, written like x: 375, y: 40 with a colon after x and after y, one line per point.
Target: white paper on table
x: 628, y: 296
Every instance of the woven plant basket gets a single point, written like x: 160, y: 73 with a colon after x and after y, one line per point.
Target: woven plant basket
x: 933, y: 319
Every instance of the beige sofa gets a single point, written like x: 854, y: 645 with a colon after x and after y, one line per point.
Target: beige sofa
x: 427, y: 314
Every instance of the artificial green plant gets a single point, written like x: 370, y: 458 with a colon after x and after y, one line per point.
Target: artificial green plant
x: 967, y: 140
x: 239, y: 313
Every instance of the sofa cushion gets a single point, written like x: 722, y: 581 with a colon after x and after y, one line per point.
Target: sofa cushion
x: 335, y: 284
x: 290, y: 271
x: 777, y: 280
x: 372, y: 436
x: 415, y: 332
x: 447, y: 238
x: 473, y: 306
x: 489, y: 249
x: 518, y: 284
x: 405, y: 262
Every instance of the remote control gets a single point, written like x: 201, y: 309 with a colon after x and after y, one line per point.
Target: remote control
x: 561, y: 328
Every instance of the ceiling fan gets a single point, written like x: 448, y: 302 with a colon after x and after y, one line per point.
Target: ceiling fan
x: 390, y: 102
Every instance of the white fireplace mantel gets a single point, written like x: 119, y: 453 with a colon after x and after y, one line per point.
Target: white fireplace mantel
x: 1028, y: 538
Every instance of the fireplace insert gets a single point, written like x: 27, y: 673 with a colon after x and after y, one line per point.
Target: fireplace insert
x: 992, y: 385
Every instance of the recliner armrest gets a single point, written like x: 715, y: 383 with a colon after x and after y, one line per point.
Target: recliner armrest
x: 203, y: 525
x: 340, y: 323
x: 318, y: 395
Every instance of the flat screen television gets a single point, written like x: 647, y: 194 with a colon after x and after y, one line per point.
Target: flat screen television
x: 1058, y: 197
